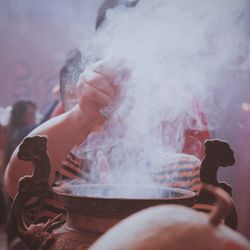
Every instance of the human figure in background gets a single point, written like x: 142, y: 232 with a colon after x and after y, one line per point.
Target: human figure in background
x: 22, y: 120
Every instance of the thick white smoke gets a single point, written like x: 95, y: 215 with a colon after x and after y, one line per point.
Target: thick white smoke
x: 179, y: 51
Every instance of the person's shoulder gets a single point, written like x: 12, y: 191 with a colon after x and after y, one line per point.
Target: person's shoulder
x: 22, y: 132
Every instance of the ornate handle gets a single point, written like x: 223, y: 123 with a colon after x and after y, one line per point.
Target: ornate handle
x: 38, y: 236
x: 217, y: 154
x: 223, y: 203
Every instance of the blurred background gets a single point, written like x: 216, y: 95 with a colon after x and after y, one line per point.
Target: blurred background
x: 35, y: 37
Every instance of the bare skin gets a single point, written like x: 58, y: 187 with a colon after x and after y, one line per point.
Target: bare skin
x: 96, y: 89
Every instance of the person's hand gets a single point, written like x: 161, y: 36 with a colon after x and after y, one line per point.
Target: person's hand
x: 99, y: 88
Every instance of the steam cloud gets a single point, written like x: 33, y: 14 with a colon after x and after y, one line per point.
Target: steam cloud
x: 180, y: 51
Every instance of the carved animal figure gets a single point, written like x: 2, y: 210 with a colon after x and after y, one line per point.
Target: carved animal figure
x: 38, y: 236
x: 34, y: 149
x: 217, y: 154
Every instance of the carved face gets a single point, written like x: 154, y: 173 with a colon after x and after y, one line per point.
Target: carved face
x: 32, y: 147
x: 220, y: 151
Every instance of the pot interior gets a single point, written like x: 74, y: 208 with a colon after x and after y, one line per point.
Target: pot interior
x: 139, y: 192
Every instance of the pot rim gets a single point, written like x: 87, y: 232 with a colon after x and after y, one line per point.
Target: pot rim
x: 184, y: 194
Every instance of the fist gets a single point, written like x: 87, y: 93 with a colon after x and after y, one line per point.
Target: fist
x: 98, y: 90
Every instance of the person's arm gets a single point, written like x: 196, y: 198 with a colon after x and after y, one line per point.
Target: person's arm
x: 95, y: 90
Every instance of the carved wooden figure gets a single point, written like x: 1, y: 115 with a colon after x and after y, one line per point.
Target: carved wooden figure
x: 217, y: 154
x: 36, y: 236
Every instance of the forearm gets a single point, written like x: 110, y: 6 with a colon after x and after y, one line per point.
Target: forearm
x: 63, y: 132
x: 94, y: 91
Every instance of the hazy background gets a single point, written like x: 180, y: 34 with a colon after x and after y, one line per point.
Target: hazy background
x: 35, y: 37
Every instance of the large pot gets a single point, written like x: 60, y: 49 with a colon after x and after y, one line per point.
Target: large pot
x: 89, y: 212
x: 89, y: 215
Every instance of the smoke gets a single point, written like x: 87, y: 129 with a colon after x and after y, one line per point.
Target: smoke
x: 180, y: 52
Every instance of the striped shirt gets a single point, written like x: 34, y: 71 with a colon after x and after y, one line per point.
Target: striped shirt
x: 180, y: 171
x: 70, y: 169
